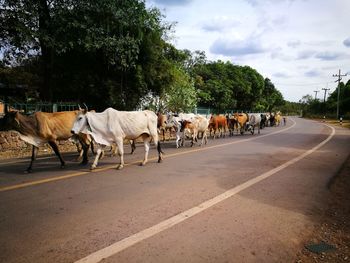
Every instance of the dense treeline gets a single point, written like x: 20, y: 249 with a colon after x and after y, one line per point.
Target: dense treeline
x: 117, y: 53
x: 328, y: 108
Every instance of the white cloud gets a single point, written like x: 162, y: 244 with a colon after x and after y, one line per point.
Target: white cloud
x: 235, y: 47
x: 294, y: 43
x: 305, y: 54
x: 280, y: 75
x: 281, y: 39
x: 331, y: 55
x: 172, y: 2
x: 220, y: 24
x: 312, y: 73
x: 346, y: 42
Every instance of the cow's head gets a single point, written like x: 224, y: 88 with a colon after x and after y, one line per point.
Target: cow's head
x: 249, y: 127
x: 81, y: 123
x: 184, y: 125
x: 9, y: 121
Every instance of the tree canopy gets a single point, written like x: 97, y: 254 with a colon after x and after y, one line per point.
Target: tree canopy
x: 116, y: 53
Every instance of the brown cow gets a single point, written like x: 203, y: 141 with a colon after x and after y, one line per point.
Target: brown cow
x: 164, y: 125
x: 40, y: 128
x: 242, y: 119
x: 232, y: 124
x: 218, y: 123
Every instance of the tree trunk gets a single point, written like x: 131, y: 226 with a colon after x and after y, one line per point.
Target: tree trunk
x: 46, y: 50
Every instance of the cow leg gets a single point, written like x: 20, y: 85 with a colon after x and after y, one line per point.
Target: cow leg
x: 204, y: 138
x: 177, y: 140
x: 34, y: 154
x: 114, y: 150
x: 84, y: 153
x: 79, y: 150
x: 159, y: 149
x: 119, y: 143
x: 97, y: 157
x: 57, y: 152
x: 133, y: 146
x: 146, y: 141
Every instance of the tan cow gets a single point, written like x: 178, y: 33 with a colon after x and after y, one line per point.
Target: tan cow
x: 278, y: 118
x: 241, y: 121
x: 40, y: 128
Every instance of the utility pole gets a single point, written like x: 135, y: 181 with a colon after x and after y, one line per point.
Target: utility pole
x: 325, y: 92
x: 339, y: 79
x: 316, y: 91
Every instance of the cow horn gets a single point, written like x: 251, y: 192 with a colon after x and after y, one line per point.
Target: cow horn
x: 86, y: 107
x: 79, y: 107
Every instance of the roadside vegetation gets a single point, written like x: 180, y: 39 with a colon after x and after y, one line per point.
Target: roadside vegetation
x: 114, y: 53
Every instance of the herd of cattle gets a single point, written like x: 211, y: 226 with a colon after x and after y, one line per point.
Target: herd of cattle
x: 112, y: 127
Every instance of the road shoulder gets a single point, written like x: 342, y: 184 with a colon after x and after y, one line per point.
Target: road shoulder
x: 333, y: 227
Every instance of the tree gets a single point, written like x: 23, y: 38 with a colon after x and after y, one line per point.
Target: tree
x: 106, y: 52
x: 181, y: 96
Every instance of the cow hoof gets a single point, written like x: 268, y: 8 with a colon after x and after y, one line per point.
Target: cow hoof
x: 28, y: 171
x: 92, y: 167
x: 84, y: 163
x: 63, y: 166
x: 120, y: 167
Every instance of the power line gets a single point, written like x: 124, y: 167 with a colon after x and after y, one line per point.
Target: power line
x: 339, y: 79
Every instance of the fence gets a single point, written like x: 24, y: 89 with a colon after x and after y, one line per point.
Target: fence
x: 29, y: 108
x: 208, y: 111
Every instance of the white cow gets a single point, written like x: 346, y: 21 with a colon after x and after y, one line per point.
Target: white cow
x: 176, y: 121
x: 254, y: 121
x: 196, y: 125
x: 112, y: 126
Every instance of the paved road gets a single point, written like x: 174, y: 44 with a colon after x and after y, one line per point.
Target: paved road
x: 241, y: 199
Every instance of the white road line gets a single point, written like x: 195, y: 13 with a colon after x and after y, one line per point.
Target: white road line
x: 166, y: 224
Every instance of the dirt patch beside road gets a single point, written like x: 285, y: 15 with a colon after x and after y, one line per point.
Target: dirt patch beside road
x: 334, y: 226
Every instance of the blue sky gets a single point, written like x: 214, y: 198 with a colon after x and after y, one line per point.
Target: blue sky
x: 298, y: 44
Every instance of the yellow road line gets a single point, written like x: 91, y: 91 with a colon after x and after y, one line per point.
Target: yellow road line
x: 108, y: 167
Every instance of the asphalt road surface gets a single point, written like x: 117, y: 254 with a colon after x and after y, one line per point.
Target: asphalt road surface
x: 250, y: 198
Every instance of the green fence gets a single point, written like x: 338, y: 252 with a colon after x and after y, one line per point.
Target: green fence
x: 43, y: 106
x: 208, y: 111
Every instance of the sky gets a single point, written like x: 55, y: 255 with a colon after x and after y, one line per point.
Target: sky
x: 298, y: 44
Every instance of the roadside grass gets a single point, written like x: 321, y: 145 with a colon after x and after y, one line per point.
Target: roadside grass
x: 345, y: 123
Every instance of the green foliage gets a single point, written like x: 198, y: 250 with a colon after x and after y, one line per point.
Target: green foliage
x: 115, y: 53
x: 181, y: 96
x: 314, y: 107
x: 222, y: 85
x: 106, y: 52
